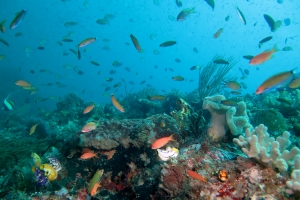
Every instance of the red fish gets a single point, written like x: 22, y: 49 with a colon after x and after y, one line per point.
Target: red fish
x: 263, y: 57
x: 162, y: 142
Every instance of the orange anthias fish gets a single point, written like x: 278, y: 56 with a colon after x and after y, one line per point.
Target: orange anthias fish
x: 196, y: 176
x: 161, y: 142
x: 88, y: 155
x: 94, y: 190
x: 22, y: 83
x: 89, y: 127
x: 116, y: 104
x: 88, y: 109
x: 264, y: 56
x: 278, y: 80
x: 218, y: 33
x: 32, y: 129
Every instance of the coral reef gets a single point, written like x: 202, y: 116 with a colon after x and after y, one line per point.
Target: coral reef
x: 284, y: 101
x: 140, y: 132
x: 224, y: 118
x: 181, y: 114
x: 270, y: 152
x: 273, y: 119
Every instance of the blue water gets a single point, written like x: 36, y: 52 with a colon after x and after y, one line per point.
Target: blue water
x: 44, y: 22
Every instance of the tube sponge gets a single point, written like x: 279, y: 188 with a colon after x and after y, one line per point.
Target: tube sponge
x: 49, y: 171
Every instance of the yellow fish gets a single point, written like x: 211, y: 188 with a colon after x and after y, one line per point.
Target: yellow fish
x: 32, y: 129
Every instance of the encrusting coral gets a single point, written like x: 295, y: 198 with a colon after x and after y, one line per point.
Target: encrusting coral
x: 224, y: 118
x: 272, y: 153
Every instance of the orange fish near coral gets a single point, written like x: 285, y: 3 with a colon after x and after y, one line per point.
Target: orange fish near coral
x: 88, y: 109
x: 116, y: 104
x: 264, y: 56
x: 162, y: 142
x: 218, y: 33
x: 89, y: 127
x: 88, y: 155
x: 94, y: 190
x: 196, y: 176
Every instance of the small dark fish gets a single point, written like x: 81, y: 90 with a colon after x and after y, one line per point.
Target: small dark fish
x: 272, y: 24
x: 221, y: 61
x: 49, y: 84
x: 177, y: 60
x: 141, y: 83
x: 241, y: 16
x: 287, y: 48
x: 246, y: 71
x: 127, y: 69
x: 282, y: 100
x: 95, y: 63
x: 155, y: 66
x: 272, y: 111
x: 264, y: 41
x: 18, y: 19
x: 150, y: 77
x: 109, y: 79
x: 172, y: 70
x: 195, y: 50
x: 243, y: 85
x: 31, y: 71
x: 131, y: 83
x: 60, y: 43
x: 167, y: 44
x: 83, y: 91
x: 185, y: 13
x: 287, y: 21
x: 67, y: 40
x: 68, y: 24
x: 228, y: 103
x: 194, y: 67
x: 18, y: 34
x: 248, y: 57
x: 163, y: 90
x: 235, y: 92
x: 41, y: 48
x: 177, y: 78
x: 78, y: 54
x: 112, y: 71
x: 4, y: 42
x: 73, y: 51
x: 179, y: 3
x: 65, y: 54
x: 80, y: 72
x: 44, y: 99
x: 107, y: 89
x: 211, y: 3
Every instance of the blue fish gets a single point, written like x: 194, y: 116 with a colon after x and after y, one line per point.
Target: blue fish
x: 8, y: 105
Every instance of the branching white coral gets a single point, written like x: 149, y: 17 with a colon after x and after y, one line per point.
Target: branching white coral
x: 259, y: 145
